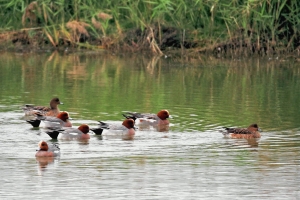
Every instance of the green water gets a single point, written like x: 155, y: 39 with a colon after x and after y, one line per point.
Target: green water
x: 202, y: 95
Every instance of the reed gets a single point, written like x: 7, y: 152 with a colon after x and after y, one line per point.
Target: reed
x: 261, y: 27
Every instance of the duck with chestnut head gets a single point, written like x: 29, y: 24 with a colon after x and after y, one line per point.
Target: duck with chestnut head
x: 80, y: 133
x: 126, y: 129
x: 47, y: 151
x: 61, y: 120
x: 145, y: 121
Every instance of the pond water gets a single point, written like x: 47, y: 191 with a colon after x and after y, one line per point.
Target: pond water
x: 191, y: 161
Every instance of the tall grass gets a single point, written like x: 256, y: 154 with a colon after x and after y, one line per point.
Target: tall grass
x: 256, y: 26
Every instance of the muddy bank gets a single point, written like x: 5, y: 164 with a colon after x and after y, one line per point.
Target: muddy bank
x: 167, y: 41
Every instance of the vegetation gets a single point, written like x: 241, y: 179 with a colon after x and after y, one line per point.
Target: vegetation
x: 263, y: 27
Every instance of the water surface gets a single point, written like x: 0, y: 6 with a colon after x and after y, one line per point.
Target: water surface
x: 191, y: 161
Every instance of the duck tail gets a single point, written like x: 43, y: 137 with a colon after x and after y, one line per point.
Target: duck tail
x: 55, y: 148
x: 226, y: 131
x: 35, y: 122
x: 103, y: 125
x: 97, y: 131
x: 53, y: 134
x: 129, y: 116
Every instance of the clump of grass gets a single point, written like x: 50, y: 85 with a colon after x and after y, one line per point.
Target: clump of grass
x: 77, y: 28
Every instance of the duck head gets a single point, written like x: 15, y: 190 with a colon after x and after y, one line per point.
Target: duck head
x: 54, y: 102
x: 43, y: 146
x: 63, y: 116
x: 253, y: 127
x: 128, y: 123
x: 84, y: 128
x: 163, y: 114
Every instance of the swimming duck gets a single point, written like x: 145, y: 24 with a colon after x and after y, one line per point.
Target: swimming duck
x: 145, y: 120
x: 61, y: 120
x: 46, y: 151
x: 251, y: 132
x: 69, y: 133
x: 53, y: 110
x: 125, y: 129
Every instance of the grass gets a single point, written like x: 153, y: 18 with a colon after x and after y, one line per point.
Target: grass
x: 260, y: 27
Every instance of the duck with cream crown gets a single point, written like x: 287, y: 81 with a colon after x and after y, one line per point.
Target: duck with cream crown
x: 126, y: 130
x: 47, y: 151
x: 61, y: 120
x: 80, y: 133
x: 147, y: 120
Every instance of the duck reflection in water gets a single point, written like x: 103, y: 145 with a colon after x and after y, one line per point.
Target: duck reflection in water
x: 44, y: 161
x: 248, y: 143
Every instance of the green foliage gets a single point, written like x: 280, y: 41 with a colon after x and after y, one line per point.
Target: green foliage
x: 273, y: 22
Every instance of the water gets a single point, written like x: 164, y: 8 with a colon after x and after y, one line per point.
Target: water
x: 191, y: 161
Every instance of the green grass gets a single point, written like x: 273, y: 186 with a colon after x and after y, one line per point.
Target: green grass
x: 256, y: 26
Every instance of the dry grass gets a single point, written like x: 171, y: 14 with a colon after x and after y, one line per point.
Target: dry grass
x: 77, y: 28
x: 152, y: 42
x: 96, y: 23
x: 104, y: 16
x: 31, y: 13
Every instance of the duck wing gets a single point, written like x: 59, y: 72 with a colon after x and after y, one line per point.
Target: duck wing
x: 238, y: 130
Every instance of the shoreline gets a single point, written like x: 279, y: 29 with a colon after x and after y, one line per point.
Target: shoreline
x: 21, y: 41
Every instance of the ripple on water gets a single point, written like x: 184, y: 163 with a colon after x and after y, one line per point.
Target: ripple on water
x: 194, y: 164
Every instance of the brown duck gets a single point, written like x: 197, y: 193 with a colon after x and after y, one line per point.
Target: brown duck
x: 53, y: 110
x: 251, y: 132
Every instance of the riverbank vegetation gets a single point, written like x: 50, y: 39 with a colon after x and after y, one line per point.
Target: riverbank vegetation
x: 247, y: 27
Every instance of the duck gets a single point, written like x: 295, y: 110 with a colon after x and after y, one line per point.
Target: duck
x: 46, y: 151
x: 70, y: 133
x: 126, y: 129
x: 53, y: 110
x: 146, y: 120
x: 61, y: 120
x: 247, y: 133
